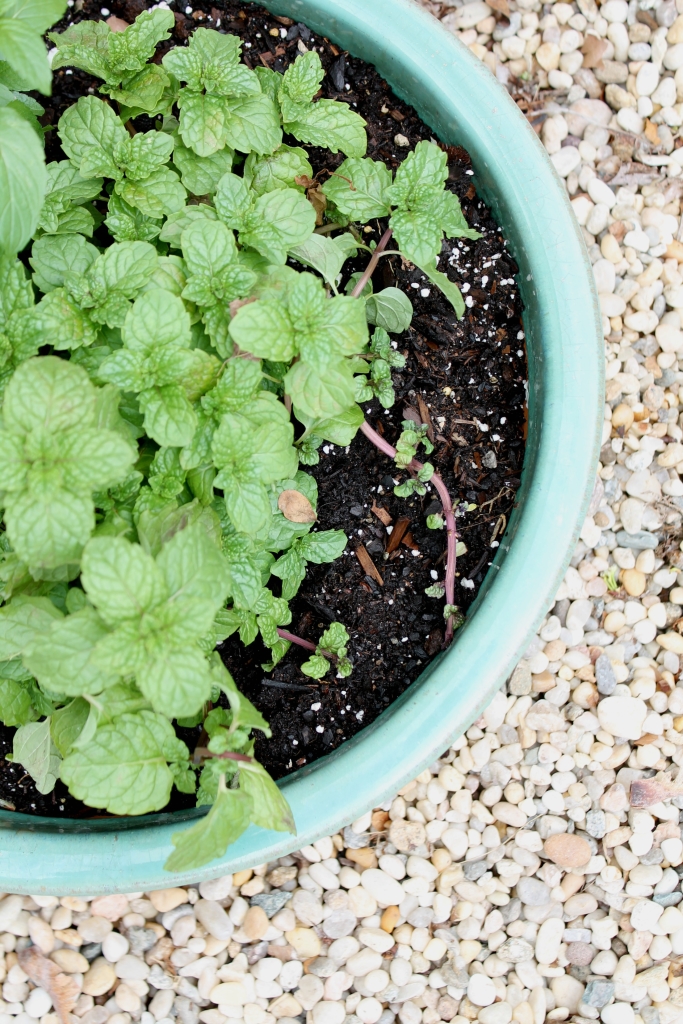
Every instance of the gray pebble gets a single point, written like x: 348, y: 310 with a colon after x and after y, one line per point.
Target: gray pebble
x: 653, y: 856
x: 474, y: 869
x: 323, y: 967
x: 595, y: 824
x: 270, y: 902
x: 354, y: 840
x: 532, y: 891
x: 141, y: 939
x: 171, y: 916
x: 650, y: 1015
x: 457, y: 977
x: 605, y: 677
x: 665, y: 899
x: 421, y: 917
x: 339, y: 924
x: 515, y: 951
x: 256, y: 952
x: 511, y: 911
x: 520, y: 680
x: 641, y: 541
x: 187, y: 1012
x: 598, y: 993
x: 580, y: 971
x: 91, y: 950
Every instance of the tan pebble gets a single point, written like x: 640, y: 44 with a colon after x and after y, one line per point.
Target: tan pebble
x: 126, y: 999
x: 634, y: 582
x: 285, y: 1006
x: 406, y: 835
x: 580, y: 953
x: 100, y: 978
x: 117, y: 24
x: 554, y: 650
x: 543, y: 681
x: 281, y: 874
x: 469, y: 949
x: 41, y: 934
x: 70, y: 961
x: 111, y: 907
x: 585, y: 695
x: 523, y: 1014
x: 671, y: 642
x: 586, y: 673
x: 623, y: 416
x: 164, y: 900
x: 255, y: 924
x: 240, y: 877
x: 304, y: 941
x: 571, y: 883
x: 365, y: 857
x: 229, y: 993
x: 441, y: 859
x: 389, y: 919
x: 69, y: 936
x: 674, y: 251
x: 567, y: 849
x: 74, y: 903
x: 252, y: 887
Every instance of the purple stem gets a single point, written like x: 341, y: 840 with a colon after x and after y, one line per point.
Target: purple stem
x: 447, y: 505
x: 370, y: 269
x: 294, y: 639
x: 229, y: 756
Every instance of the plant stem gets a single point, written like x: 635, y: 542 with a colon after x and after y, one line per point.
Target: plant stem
x: 306, y: 644
x: 447, y: 506
x: 228, y: 756
x: 369, y: 270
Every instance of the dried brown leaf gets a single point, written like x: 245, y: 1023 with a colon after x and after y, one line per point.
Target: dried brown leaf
x: 62, y: 988
x: 645, y: 792
x: 368, y: 564
x: 426, y: 418
x: 381, y: 514
x: 502, y: 6
x: 117, y: 24
x: 296, y: 507
x: 397, y: 534
x: 593, y: 50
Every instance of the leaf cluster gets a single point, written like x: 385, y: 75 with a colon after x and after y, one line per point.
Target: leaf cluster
x: 186, y: 339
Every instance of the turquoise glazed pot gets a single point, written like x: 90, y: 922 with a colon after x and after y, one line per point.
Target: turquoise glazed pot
x: 458, y: 97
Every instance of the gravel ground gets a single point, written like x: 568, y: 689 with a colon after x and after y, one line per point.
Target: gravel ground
x: 534, y: 873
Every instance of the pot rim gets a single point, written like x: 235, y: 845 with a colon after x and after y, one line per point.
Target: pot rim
x: 458, y: 97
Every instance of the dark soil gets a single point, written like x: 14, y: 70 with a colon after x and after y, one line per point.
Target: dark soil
x: 466, y: 378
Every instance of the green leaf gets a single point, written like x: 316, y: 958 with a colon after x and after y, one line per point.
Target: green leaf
x: 156, y: 196
x: 302, y: 79
x: 269, y: 807
x: 194, y: 567
x: 121, y: 579
x: 359, y: 189
x: 277, y: 170
x: 210, y: 837
x: 176, y: 682
x: 323, y: 254
x: 84, y: 45
x: 20, y: 42
x: 340, y: 430
x: 67, y: 724
x: 126, y: 224
x: 34, y: 750
x: 332, y: 125
x: 58, y: 320
x: 323, y: 547
x: 61, y: 659
x: 156, y: 320
x: 233, y: 201
x: 418, y: 235
x: 22, y: 181
x: 65, y: 188
x: 449, y: 289
x: 426, y: 165
x: 49, y: 531
x: 200, y: 175
x: 279, y: 220
x: 203, y: 120
x: 390, y: 309
x: 131, y: 49
x: 264, y: 329
x: 124, y: 767
x: 321, y: 395
x: 22, y: 621
x: 169, y: 416
x: 90, y: 132
x: 244, y: 714
x: 16, y: 707
x: 54, y: 257
x: 252, y: 125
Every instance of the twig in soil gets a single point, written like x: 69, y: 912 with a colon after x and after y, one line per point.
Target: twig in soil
x: 370, y: 269
x: 447, y: 506
x: 368, y: 564
x: 279, y: 685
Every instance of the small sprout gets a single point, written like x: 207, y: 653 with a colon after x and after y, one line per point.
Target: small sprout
x: 332, y: 647
x: 610, y: 578
x: 435, y: 522
x: 458, y: 617
x: 436, y: 590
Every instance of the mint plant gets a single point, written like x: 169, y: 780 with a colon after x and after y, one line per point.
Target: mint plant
x: 188, y: 337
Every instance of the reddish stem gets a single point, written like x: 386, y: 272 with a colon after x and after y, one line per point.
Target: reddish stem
x: 370, y: 269
x: 447, y: 505
x: 229, y: 756
x: 294, y: 639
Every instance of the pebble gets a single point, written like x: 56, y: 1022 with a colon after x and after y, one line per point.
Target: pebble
x: 622, y: 716
x: 568, y: 849
x: 532, y: 891
x: 270, y: 902
x: 385, y: 889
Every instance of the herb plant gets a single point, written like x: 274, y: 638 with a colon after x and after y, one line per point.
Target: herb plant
x: 188, y: 338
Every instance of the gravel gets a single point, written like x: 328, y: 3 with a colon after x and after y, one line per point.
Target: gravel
x: 533, y: 873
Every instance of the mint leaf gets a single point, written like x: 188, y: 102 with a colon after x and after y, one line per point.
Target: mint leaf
x: 302, y: 79
x: 22, y: 621
x: 359, y: 189
x: 16, y: 707
x: 90, y: 132
x: 121, y: 580
x: 56, y: 459
x: 324, y: 254
x: 278, y: 221
x: 321, y: 393
x: 277, y: 170
x: 203, y: 122
x: 22, y: 180
x: 61, y: 659
x: 124, y: 767
x: 158, y: 195
x: 244, y: 714
x: 210, y: 837
x: 34, y: 750
x: 54, y: 257
x: 21, y: 28
x: 200, y: 175
x: 330, y: 124
x: 65, y: 189
x: 390, y: 309
x: 269, y: 807
x: 444, y: 284
x: 252, y: 125
x: 264, y: 329
x: 67, y: 724
x: 127, y: 224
